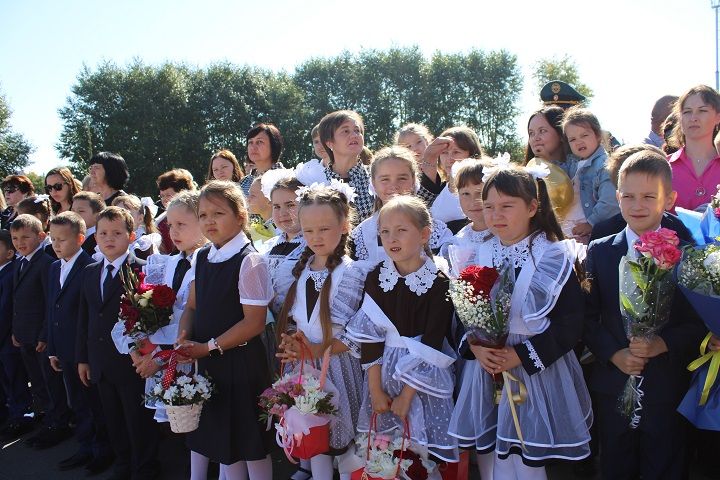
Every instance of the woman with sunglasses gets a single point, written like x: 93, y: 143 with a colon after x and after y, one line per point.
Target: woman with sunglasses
x: 61, y: 186
x: 15, y: 188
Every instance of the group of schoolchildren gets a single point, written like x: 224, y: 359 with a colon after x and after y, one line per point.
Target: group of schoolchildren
x: 373, y: 292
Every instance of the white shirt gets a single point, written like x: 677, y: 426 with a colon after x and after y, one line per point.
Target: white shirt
x: 229, y: 250
x: 633, y: 237
x: 90, y: 231
x: 117, y: 263
x: 66, y: 266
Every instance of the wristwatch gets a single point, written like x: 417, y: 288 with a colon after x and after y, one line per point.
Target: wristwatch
x: 214, y: 348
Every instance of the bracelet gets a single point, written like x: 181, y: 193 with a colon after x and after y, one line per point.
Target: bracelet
x: 217, y: 346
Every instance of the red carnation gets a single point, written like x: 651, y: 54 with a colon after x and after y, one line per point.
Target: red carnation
x: 482, y: 279
x: 163, y: 296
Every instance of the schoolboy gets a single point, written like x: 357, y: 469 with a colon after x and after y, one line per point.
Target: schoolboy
x: 88, y: 205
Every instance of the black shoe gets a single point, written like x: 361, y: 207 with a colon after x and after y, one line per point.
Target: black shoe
x: 585, y: 468
x: 31, y: 441
x: 118, y: 476
x: 77, y: 460
x: 99, y: 464
x: 16, y: 429
x: 52, y: 437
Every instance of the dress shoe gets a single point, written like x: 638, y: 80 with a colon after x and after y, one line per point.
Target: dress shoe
x: 52, y: 437
x: 118, y: 476
x: 77, y: 460
x: 31, y: 441
x: 99, y: 464
x: 16, y: 429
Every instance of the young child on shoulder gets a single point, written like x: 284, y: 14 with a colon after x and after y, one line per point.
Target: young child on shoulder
x: 655, y: 449
x: 545, y: 323
x: 393, y: 172
x: 324, y: 296
x: 403, y: 326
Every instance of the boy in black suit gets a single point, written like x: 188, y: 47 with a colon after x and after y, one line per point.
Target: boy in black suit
x: 655, y: 449
x: 132, y: 430
x: 13, y: 378
x: 29, y: 329
x: 88, y: 205
x: 67, y: 231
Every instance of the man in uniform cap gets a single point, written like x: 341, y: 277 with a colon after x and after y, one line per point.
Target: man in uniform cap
x: 557, y: 92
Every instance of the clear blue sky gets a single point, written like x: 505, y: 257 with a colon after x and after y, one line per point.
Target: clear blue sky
x: 629, y: 52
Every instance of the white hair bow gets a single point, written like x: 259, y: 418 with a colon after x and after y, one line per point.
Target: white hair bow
x: 148, y: 203
x: 270, y: 178
x: 460, y: 164
x: 41, y: 198
x: 539, y: 170
x: 334, y: 184
x: 310, y: 172
x: 501, y: 162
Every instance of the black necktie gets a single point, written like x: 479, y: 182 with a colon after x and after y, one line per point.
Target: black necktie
x: 23, y: 264
x: 108, y: 280
x: 181, y: 269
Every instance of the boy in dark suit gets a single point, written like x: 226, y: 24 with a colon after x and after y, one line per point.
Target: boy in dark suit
x: 29, y: 329
x: 88, y: 205
x: 67, y: 231
x: 655, y: 449
x: 133, y: 432
x: 13, y: 378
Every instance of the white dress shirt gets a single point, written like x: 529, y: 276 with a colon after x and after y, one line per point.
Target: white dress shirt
x: 117, y: 263
x: 66, y: 266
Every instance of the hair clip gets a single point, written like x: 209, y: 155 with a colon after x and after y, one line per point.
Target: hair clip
x: 269, y: 179
x: 41, y: 198
x: 148, y: 203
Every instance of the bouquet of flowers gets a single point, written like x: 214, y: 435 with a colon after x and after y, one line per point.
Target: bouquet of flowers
x: 303, y: 401
x: 182, y: 394
x: 699, y: 279
x: 646, y: 293
x: 481, y: 296
x: 144, y: 309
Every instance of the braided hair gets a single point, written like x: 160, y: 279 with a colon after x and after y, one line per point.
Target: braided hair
x: 339, y: 203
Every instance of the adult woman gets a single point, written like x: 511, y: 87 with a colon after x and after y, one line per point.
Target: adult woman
x: 264, y: 146
x: 60, y: 184
x: 109, y: 174
x: 224, y: 166
x: 696, y: 165
x: 545, y: 136
x: 342, y: 134
x: 15, y: 188
x: 170, y: 184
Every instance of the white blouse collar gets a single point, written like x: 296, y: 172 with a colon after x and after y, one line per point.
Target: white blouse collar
x: 473, y: 236
x: 230, y: 249
x: 518, y: 253
x: 418, y: 281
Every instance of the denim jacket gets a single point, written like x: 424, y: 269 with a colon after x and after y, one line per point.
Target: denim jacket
x: 597, y: 192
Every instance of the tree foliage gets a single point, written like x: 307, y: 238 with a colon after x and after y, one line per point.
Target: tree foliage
x: 172, y: 115
x: 14, y: 148
x: 564, y: 69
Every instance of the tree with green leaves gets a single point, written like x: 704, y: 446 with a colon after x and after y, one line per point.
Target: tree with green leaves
x: 14, y: 148
x: 564, y: 69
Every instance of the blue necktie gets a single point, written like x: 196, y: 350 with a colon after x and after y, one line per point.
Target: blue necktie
x: 108, y: 280
x: 23, y: 264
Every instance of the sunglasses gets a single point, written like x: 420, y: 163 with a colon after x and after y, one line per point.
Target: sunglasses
x: 55, y: 186
x: 10, y: 190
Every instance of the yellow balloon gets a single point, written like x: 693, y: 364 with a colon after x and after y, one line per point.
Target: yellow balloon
x: 559, y: 187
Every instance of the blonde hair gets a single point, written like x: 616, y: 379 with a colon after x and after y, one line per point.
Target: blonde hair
x: 416, y: 129
x: 26, y: 221
x: 339, y: 204
x: 132, y: 202
x: 412, y: 207
x: 188, y: 199
x: 395, y: 152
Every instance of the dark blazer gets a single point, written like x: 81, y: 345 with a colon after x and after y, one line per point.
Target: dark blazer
x: 29, y: 291
x: 89, y: 244
x: 62, y: 308
x: 666, y: 377
x: 616, y: 223
x: 96, y: 318
x: 6, y: 307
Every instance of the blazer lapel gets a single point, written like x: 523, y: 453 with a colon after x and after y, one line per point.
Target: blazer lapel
x: 77, y: 266
x: 23, y: 274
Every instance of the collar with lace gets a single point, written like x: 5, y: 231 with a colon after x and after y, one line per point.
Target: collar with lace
x: 418, y: 281
x: 473, y: 235
x: 318, y: 277
x: 518, y: 253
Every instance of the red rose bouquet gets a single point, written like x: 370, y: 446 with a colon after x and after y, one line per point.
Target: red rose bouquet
x: 144, y: 308
x: 646, y: 293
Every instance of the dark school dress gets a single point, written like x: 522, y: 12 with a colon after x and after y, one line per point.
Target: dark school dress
x: 230, y: 429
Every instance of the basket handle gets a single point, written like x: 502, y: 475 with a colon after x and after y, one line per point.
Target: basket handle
x: 406, y: 435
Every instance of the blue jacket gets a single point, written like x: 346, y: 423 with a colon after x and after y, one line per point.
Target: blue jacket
x: 62, y: 308
x: 29, y: 324
x: 597, y: 192
x: 6, y: 307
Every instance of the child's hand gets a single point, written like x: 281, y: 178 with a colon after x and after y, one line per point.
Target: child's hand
x: 288, y: 349
x: 714, y: 343
x: 490, y: 358
x: 582, y: 230
x: 15, y: 342
x: 511, y: 358
x: 135, y: 357
x: 147, y: 366
x: 191, y: 351
x: 628, y: 363
x: 381, y: 402
x: 401, y: 404
x: 41, y: 346
x: 84, y: 373
x: 644, y: 348
x: 55, y: 364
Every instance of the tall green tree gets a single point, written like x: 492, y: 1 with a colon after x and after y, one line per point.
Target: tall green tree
x: 562, y: 68
x: 14, y: 148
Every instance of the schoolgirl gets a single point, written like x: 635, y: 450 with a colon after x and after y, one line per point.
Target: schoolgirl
x: 147, y: 239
